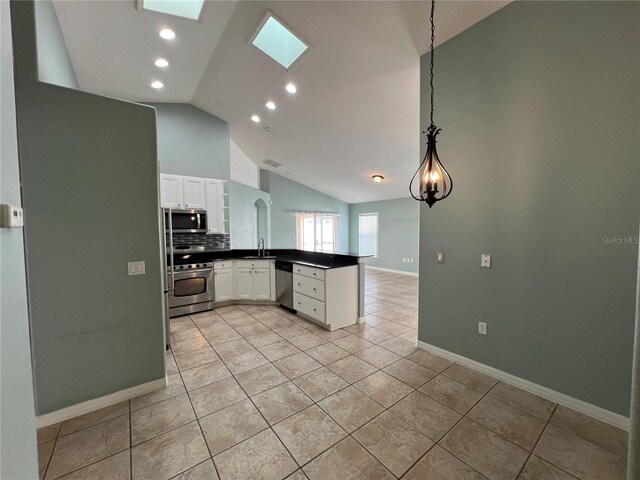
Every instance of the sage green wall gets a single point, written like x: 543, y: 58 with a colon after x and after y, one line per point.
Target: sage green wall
x: 90, y: 192
x: 287, y: 197
x: 242, y: 199
x: 17, y: 415
x: 539, y: 111
x: 192, y: 142
x: 54, y: 63
x: 398, y: 232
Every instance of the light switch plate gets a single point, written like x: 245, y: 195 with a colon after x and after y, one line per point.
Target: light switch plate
x: 482, y: 328
x: 11, y: 216
x: 440, y: 257
x: 136, y: 268
x: 485, y: 260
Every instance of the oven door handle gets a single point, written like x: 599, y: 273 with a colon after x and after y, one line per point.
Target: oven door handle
x: 172, y: 287
x: 205, y: 270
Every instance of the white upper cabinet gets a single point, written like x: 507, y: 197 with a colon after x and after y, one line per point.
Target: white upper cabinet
x: 215, y: 205
x: 171, y: 191
x: 177, y: 191
x: 193, y: 189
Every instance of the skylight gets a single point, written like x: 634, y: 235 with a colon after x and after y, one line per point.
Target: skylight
x: 277, y: 41
x: 181, y: 8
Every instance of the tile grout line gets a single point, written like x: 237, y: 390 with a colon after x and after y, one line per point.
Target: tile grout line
x: 538, y: 440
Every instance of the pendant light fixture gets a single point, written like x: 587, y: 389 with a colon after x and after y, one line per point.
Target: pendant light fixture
x: 431, y: 182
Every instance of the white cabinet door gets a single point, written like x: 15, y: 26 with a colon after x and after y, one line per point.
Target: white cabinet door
x: 261, y: 284
x: 223, y: 284
x: 194, y: 192
x: 215, y: 206
x: 171, y: 191
x: 244, y: 283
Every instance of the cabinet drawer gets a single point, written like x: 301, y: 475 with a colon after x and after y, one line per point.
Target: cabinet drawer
x: 309, y: 306
x: 220, y: 264
x: 252, y: 263
x: 308, y: 271
x: 310, y: 287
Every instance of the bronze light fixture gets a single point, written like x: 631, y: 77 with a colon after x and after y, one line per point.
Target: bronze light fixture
x: 431, y: 182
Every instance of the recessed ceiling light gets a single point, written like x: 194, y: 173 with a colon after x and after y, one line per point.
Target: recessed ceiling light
x: 270, y: 105
x: 255, y: 118
x: 291, y: 88
x: 279, y: 42
x: 167, y: 34
x: 157, y: 84
x: 161, y: 62
x: 377, y: 178
x: 181, y: 8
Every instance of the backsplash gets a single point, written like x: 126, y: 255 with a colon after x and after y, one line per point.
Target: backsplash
x: 218, y: 241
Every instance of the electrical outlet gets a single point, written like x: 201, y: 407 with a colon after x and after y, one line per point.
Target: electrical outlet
x: 485, y: 260
x: 482, y: 328
x: 411, y: 260
x: 440, y: 257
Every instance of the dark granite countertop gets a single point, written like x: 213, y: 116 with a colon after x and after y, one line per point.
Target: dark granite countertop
x: 312, y: 259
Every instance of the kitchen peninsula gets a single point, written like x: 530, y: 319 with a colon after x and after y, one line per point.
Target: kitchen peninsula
x: 325, y: 288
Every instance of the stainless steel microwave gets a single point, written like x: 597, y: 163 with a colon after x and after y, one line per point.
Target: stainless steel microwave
x: 186, y: 221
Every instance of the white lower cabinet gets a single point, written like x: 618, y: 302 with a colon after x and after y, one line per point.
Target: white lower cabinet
x: 326, y: 296
x: 252, y: 279
x: 261, y: 284
x: 223, y: 284
x: 244, y: 283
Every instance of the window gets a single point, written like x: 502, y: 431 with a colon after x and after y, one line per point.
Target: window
x: 279, y: 42
x: 368, y: 234
x: 182, y: 8
x: 317, y: 232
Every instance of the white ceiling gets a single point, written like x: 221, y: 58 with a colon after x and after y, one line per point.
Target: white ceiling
x: 356, y: 112
x: 113, y: 46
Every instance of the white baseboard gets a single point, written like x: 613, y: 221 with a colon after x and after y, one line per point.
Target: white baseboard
x: 98, y: 403
x: 413, y: 274
x: 598, y: 413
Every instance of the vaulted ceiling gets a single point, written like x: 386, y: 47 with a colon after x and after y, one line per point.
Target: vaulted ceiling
x: 356, y: 112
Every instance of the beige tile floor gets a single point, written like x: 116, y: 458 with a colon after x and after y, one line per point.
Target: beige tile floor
x: 257, y: 393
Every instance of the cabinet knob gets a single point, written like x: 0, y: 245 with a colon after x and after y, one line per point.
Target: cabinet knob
x: 314, y: 309
x: 314, y: 289
x: 298, y: 284
x: 314, y: 274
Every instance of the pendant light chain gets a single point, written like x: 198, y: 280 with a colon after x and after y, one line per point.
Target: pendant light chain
x: 433, y: 37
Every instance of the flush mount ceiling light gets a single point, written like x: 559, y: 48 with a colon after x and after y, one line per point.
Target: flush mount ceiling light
x: 279, y: 42
x: 270, y: 105
x: 291, y: 88
x: 255, y: 118
x: 191, y: 9
x: 433, y: 181
x: 161, y: 62
x: 157, y: 84
x: 377, y: 178
x: 167, y: 34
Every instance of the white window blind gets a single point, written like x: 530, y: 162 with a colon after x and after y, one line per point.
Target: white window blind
x: 317, y: 232
x: 368, y: 234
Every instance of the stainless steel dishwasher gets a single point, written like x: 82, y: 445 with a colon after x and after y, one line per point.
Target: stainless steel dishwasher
x: 284, y: 284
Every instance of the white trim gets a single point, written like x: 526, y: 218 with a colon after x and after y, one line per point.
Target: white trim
x: 598, y: 413
x: 98, y: 403
x: 413, y: 274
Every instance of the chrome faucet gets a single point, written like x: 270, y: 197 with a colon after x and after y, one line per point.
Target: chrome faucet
x: 261, y: 249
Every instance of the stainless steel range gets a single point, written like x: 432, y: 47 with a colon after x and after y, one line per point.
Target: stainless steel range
x: 192, y: 287
x: 190, y: 279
